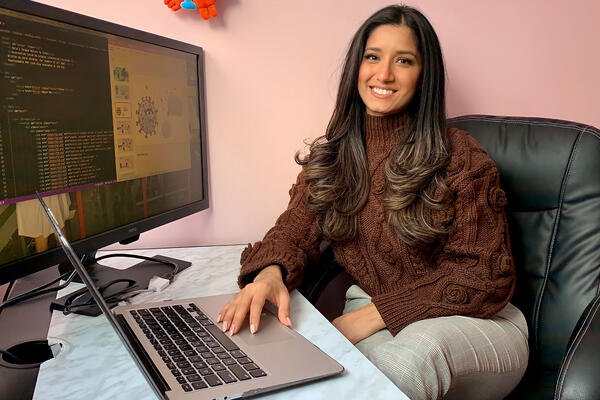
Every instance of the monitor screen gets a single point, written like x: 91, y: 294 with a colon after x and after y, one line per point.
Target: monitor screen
x: 105, y: 122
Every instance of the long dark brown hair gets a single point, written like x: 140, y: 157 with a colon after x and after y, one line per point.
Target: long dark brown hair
x: 336, y: 166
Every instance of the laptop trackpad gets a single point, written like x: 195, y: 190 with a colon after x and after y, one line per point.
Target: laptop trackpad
x: 270, y: 330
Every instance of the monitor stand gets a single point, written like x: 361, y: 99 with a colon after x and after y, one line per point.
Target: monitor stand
x: 141, y: 273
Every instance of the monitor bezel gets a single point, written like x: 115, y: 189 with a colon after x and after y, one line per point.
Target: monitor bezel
x: 31, y: 264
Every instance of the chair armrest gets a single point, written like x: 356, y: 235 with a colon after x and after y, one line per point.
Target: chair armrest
x: 579, y: 370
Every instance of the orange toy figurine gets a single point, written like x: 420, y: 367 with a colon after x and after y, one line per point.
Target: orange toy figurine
x: 173, y: 4
x: 206, y: 7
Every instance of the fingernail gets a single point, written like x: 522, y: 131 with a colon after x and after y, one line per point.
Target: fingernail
x: 225, y: 326
x: 288, y: 321
x: 253, y: 328
x: 231, y: 330
x: 219, y: 318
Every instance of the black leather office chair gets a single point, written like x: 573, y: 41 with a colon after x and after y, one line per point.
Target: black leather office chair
x: 550, y: 170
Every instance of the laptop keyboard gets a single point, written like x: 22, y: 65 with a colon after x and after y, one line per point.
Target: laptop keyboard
x: 196, y: 351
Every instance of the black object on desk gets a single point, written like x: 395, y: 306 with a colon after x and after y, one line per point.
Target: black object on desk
x: 138, y: 274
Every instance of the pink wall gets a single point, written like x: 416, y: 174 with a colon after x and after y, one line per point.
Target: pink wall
x: 272, y: 65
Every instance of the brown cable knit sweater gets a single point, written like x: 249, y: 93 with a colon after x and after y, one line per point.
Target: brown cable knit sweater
x: 471, y: 272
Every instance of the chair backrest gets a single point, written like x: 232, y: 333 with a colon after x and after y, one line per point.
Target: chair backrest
x: 550, y: 171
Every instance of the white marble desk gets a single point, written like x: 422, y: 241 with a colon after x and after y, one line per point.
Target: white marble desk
x: 93, y: 363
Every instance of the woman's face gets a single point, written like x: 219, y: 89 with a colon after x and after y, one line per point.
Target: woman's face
x: 389, y: 71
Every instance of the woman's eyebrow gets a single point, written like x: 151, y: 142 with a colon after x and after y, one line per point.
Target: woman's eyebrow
x: 377, y: 49
x: 412, y: 53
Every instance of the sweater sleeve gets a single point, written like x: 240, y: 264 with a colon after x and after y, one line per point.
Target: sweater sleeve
x: 474, y: 275
x: 288, y: 244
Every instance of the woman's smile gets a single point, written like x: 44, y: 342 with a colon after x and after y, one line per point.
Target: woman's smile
x: 381, y: 93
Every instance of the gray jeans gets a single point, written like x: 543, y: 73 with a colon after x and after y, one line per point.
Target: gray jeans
x: 452, y: 357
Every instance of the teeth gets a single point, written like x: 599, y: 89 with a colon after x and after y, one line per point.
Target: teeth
x: 382, y: 91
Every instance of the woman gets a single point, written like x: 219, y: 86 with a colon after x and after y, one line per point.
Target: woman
x: 414, y: 212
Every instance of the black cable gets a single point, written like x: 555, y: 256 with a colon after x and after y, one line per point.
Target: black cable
x: 11, y: 355
x: 44, y: 286
x: 41, y: 290
x: 6, y: 294
x: 8, y: 289
x: 81, y: 300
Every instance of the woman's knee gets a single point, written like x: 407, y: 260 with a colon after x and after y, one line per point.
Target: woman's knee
x: 418, y: 367
x: 355, y: 299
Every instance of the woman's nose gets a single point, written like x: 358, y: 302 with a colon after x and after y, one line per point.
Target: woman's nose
x: 384, y: 74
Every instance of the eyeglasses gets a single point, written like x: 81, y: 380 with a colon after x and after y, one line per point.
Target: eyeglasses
x: 113, y: 292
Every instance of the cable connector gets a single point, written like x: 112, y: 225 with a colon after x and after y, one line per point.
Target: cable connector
x: 157, y: 284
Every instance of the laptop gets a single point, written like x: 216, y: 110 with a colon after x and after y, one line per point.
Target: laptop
x: 183, y: 354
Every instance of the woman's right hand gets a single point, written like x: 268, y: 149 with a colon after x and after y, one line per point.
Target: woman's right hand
x: 267, y: 285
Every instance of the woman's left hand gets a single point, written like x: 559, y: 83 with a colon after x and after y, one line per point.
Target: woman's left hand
x: 359, y: 324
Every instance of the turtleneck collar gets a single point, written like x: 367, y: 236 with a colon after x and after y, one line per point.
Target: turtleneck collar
x: 383, y: 132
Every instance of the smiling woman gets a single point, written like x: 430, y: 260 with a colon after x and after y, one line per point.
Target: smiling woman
x: 414, y: 213
x: 390, y: 70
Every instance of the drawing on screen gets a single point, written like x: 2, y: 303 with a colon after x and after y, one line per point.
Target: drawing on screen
x: 126, y: 162
x: 125, y: 144
x: 121, y: 74
x: 147, y: 119
x: 122, y: 92
x: 123, y: 127
x: 122, y: 110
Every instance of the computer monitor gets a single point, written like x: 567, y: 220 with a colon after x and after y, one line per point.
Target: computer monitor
x: 106, y: 122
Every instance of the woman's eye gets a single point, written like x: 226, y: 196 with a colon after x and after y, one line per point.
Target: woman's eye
x: 406, y: 61
x: 370, y: 57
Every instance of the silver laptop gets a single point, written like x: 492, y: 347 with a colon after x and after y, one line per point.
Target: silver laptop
x: 183, y: 354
